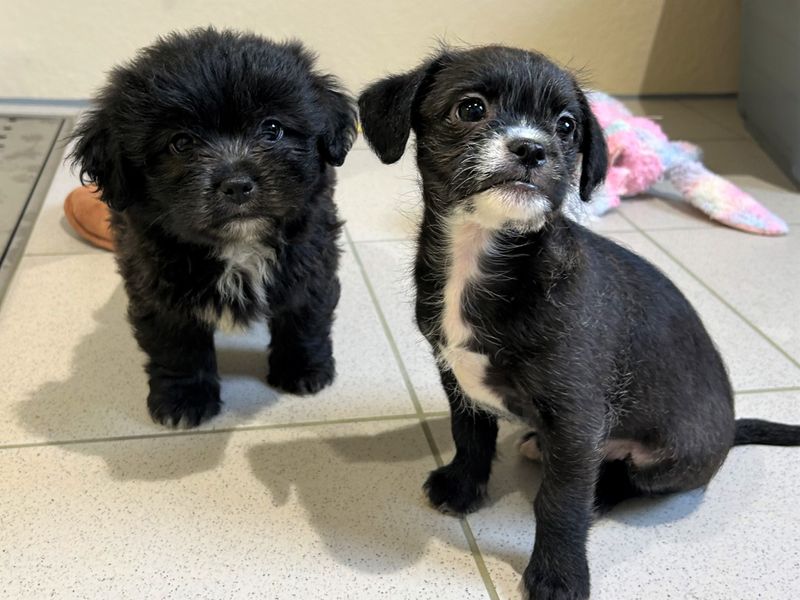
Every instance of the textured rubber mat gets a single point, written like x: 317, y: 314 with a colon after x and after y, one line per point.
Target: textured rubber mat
x: 27, y: 145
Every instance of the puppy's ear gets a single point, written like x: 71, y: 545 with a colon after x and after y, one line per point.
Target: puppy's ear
x: 340, y: 122
x: 593, y: 150
x: 385, y: 110
x: 100, y: 161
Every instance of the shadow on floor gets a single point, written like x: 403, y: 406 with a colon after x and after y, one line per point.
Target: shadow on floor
x: 105, y: 395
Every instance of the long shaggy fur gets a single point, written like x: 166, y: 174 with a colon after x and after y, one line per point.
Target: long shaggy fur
x: 193, y: 248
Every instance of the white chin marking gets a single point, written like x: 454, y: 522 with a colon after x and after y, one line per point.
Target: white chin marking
x: 244, y: 229
x: 502, y: 207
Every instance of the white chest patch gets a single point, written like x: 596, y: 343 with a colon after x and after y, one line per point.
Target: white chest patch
x: 469, y: 241
x: 248, y: 266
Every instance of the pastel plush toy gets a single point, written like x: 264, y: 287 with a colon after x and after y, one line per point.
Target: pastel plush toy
x: 640, y: 155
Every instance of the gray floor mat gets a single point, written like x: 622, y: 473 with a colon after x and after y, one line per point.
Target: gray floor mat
x: 27, y: 148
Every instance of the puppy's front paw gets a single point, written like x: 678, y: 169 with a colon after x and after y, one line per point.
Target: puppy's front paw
x: 543, y: 584
x: 182, y: 403
x: 301, y: 379
x: 452, y: 491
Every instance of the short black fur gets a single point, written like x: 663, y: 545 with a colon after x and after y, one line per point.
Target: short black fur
x: 583, y: 340
x: 215, y: 150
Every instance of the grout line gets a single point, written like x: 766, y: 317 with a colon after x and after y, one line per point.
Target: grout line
x: 168, y: 434
x: 420, y: 413
x: 714, y: 293
x: 435, y: 414
x: 767, y: 390
x: 698, y: 227
x: 87, y: 252
x: 478, y: 557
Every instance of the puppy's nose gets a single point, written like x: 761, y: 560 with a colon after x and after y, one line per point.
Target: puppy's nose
x: 531, y: 154
x: 237, y: 188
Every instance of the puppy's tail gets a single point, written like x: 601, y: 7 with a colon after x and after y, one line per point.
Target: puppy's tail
x: 756, y: 431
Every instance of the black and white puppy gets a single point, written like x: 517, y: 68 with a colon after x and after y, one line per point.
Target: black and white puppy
x: 215, y: 150
x: 534, y: 317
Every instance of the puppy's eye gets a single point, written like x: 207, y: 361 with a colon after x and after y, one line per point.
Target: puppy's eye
x: 181, y: 143
x: 565, y: 126
x: 272, y: 130
x: 471, y: 110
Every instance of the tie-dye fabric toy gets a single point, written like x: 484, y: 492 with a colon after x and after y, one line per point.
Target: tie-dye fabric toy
x: 640, y: 155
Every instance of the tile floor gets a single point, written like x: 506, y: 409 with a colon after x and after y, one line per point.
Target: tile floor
x: 287, y: 497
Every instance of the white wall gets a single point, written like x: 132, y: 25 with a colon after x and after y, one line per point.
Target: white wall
x: 61, y: 48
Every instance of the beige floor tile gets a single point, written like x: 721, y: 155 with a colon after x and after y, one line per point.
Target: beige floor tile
x: 333, y: 512
x: 389, y: 267
x: 73, y: 371
x: 743, y: 157
x: 759, y: 276
x: 721, y: 111
x: 736, y: 539
x: 610, y: 222
x: 52, y: 234
x: 680, y: 122
x: 379, y: 202
x: 667, y: 211
x: 752, y: 362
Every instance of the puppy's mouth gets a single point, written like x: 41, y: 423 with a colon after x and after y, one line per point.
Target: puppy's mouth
x: 512, y: 189
x: 517, y: 186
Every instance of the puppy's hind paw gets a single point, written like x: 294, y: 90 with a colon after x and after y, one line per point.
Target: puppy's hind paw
x: 183, y: 404
x: 453, y: 492
x: 529, y: 446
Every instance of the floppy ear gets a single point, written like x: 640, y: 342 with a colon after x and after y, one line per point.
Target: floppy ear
x: 101, y: 163
x: 593, y: 150
x: 385, y: 109
x: 340, y: 122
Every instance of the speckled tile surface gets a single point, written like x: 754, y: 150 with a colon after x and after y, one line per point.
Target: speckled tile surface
x: 285, y: 497
x: 680, y: 121
x: 52, y: 234
x: 379, y: 202
x: 736, y: 539
x: 752, y: 361
x: 322, y: 512
x: 80, y: 374
x: 759, y: 277
x: 389, y: 267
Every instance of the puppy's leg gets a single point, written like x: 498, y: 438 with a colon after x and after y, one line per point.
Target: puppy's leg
x: 182, y: 368
x: 460, y: 487
x: 571, y: 456
x: 301, y: 355
x: 614, y: 484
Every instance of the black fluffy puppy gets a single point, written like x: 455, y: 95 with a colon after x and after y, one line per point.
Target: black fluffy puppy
x: 532, y: 316
x: 214, y: 150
